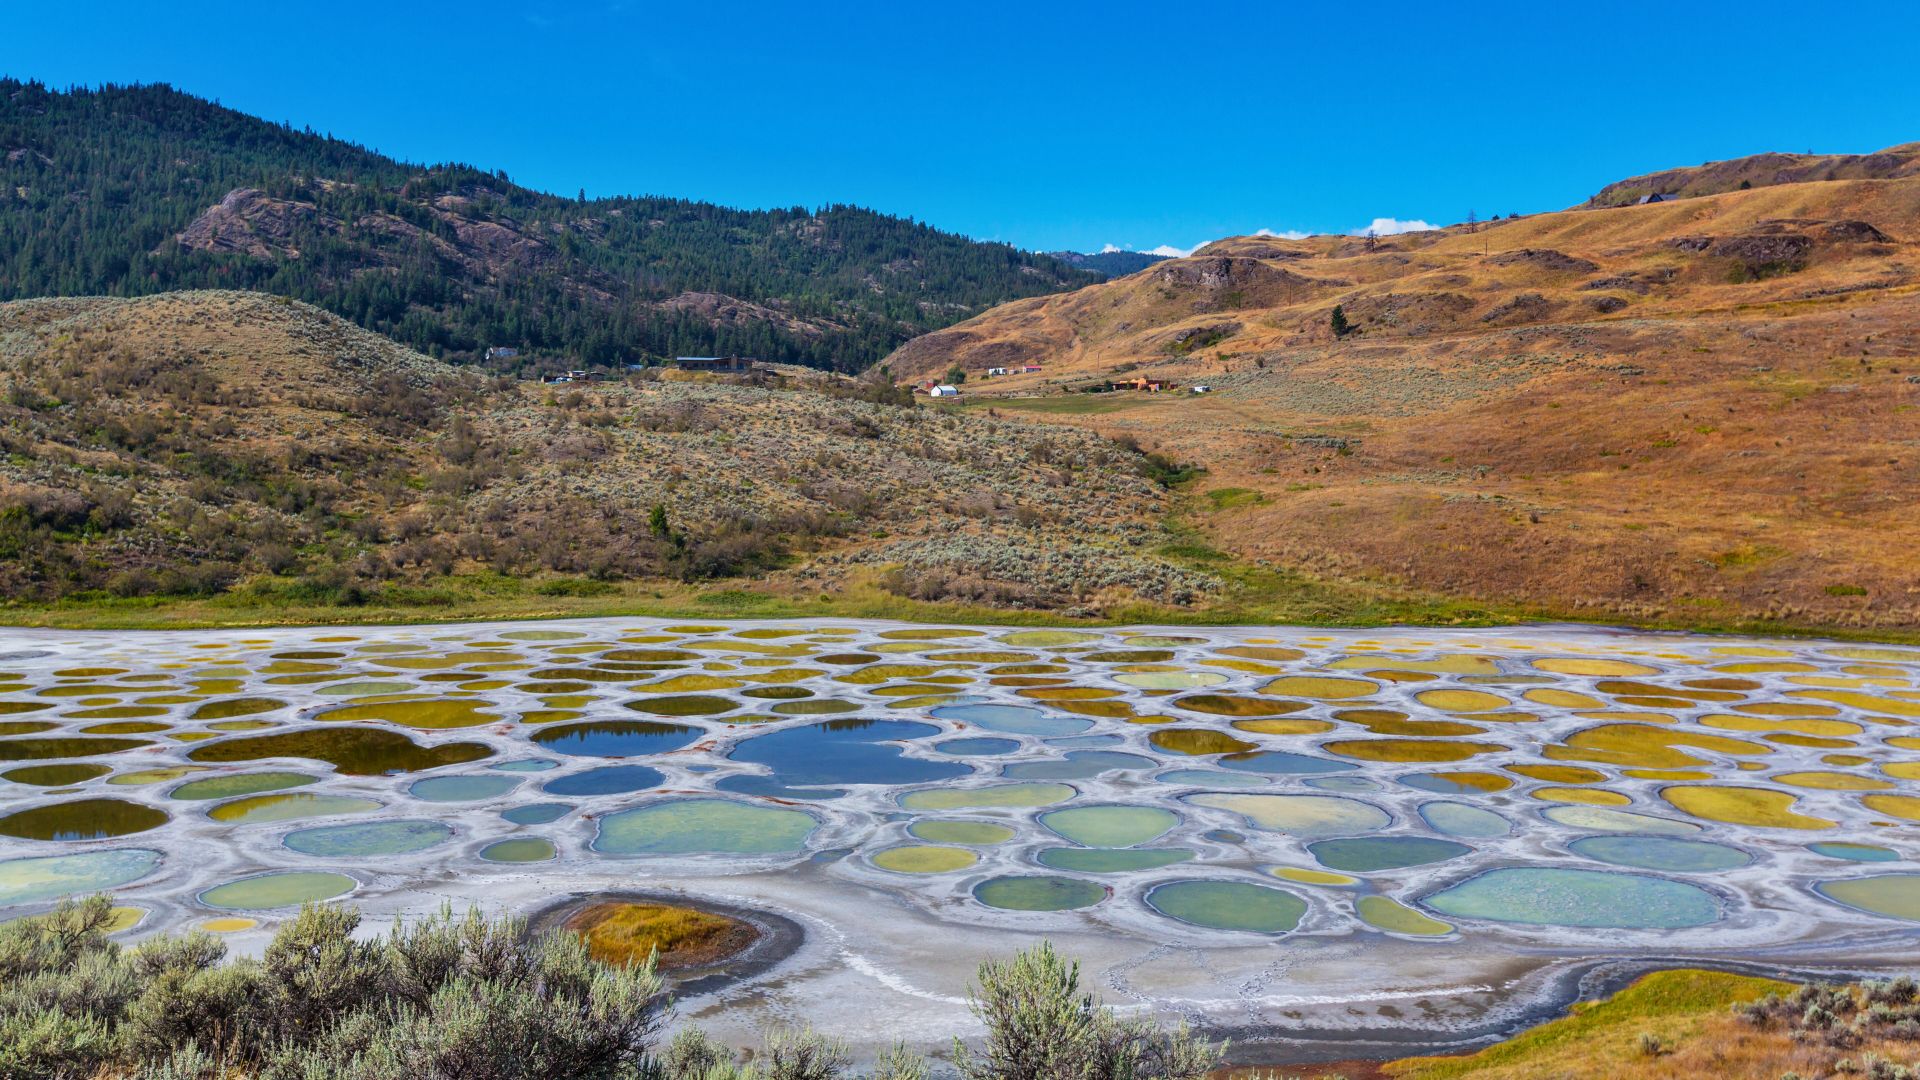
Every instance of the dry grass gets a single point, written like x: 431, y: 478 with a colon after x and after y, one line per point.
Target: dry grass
x: 1492, y: 434
x: 1687, y: 1010
x: 626, y: 934
x: 215, y: 443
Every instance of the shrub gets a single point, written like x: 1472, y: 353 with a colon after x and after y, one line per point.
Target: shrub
x: 576, y: 587
x: 899, y: 1063
x: 467, y: 998
x: 802, y: 1054
x: 440, y: 999
x: 1042, y: 1026
x: 1167, y: 472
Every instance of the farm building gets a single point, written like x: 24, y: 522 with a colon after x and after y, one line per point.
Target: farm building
x: 944, y: 391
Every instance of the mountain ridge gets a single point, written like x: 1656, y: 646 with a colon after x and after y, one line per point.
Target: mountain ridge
x: 1110, y: 263
x: 130, y: 190
x: 1760, y: 170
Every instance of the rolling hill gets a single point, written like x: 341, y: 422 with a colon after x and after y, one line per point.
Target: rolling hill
x: 132, y: 190
x: 1762, y: 170
x: 1703, y: 411
x: 230, y: 444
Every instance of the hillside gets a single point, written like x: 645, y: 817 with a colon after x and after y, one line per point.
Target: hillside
x: 210, y: 443
x: 1762, y: 170
x: 1701, y: 411
x: 130, y: 190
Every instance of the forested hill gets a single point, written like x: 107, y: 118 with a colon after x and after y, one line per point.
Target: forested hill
x: 1110, y: 263
x: 128, y: 190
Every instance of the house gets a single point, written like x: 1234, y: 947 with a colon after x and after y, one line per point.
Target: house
x: 502, y: 352
x: 1657, y: 197
x: 944, y: 390
x: 726, y: 364
x: 1151, y: 386
x: 1029, y: 369
x: 992, y: 371
x: 1201, y: 388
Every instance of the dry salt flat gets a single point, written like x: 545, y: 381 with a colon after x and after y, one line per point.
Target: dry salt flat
x: 1363, y: 839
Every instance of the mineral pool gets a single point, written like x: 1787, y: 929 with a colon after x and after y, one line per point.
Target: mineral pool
x: 1237, y: 823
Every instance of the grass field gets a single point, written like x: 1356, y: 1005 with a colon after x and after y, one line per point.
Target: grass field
x: 1254, y: 596
x: 1635, y: 411
x: 1685, y: 1011
x: 1064, y: 404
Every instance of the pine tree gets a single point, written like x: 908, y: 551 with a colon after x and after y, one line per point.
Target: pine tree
x: 114, y: 174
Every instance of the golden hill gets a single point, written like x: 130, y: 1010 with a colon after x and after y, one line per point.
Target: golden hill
x: 234, y: 444
x: 1762, y: 170
x: 1703, y: 411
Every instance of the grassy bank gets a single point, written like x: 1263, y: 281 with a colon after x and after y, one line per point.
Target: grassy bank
x: 484, y: 597
x: 1670, y: 1023
x: 1254, y: 596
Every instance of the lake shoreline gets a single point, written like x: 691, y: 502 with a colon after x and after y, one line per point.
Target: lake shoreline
x: 1322, y: 605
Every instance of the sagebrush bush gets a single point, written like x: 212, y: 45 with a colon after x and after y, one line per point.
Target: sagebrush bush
x: 444, y: 998
x: 1042, y: 1026
x: 468, y: 998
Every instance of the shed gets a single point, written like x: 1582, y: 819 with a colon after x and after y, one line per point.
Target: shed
x: 944, y: 390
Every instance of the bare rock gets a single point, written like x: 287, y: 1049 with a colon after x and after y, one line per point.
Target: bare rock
x: 1764, y: 252
x: 1544, y: 259
x: 1524, y: 308
x: 1854, y: 232
x: 250, y: 222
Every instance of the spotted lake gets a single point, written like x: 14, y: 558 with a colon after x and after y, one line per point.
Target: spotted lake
x: 1323, y: 833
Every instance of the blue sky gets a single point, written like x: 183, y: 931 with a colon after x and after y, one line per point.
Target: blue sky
x: 1044, y: 125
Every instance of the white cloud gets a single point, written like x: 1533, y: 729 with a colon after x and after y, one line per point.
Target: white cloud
x: 1386, y: 226
x: 1108, y: 249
